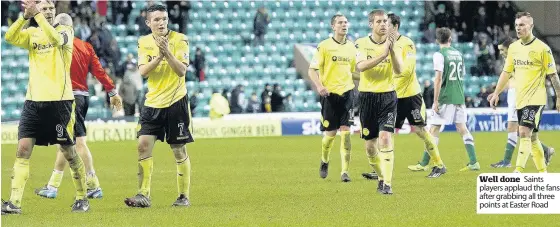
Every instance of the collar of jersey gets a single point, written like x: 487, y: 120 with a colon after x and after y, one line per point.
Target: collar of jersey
x: 373, y: 41
x: 166, y: 35
x: 338, y: 42
x: 529, y: 43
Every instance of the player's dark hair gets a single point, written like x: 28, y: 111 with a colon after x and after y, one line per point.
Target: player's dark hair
x: 522, y: 14
x: 507, y: 41
x: 443, y: 35
x: 333, y: 19
x: 395, y: 20
x: 154, y: 8
x: 375, y: 12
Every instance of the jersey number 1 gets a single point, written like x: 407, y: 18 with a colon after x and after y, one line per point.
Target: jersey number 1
x: 456, y: 71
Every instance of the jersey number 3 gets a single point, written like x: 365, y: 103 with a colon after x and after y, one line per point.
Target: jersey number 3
x: 456, y: 71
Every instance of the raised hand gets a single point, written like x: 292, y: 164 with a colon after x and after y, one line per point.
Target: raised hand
x: 163, y: 44
x: 30, y: 7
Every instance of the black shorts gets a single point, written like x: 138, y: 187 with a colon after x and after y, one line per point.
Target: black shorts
x: 530, y: 116
x: 49, y: 122
x: 377, y: 113
x: 335, y: 111
x: 413, y: 109
x: 82, y: 105
x: 172, y: 123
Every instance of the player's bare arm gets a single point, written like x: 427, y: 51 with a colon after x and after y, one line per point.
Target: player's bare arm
x: 502, y: 82
x: 374, y: 61
x: 356, y: 75
x: 437, y: 90
x: 178, y: 67
x: 556, y: 85
x: 395, y: 52
x: 147, y: 68
x: 314, y: 75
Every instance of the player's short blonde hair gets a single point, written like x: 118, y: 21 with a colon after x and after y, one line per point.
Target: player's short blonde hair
x: 375, y: 12
x: 522, y: 14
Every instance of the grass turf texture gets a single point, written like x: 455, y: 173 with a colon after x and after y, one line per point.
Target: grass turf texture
x: 274, y: 182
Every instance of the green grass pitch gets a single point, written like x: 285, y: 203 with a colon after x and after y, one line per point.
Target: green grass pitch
x: 274, y: 182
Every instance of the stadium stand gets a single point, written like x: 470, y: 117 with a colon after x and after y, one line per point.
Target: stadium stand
x: 224, y: 32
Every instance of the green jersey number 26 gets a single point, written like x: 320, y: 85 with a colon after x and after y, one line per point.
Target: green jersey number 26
x: 456, y: 71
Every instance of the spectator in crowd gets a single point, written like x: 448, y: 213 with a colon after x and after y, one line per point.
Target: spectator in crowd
x: 442, y: 18
x: 504, y: 14
x: 84, y: 10
x: 276, y: 99
x: 428, y: 94
x: 185, y: 7
x: 254, y: 106
x: 430, y: 11
x: 95, y: 42
x: 260, y: 25
x: 430, y: 34
x: 193, y: 100
x: 10, y: 12
x: 143, y: 28
x: 454, y: 34
x: 178, y: 13
x: 219, y: 106
x: 501, y: 33
x: 114, y: 55
x: 265, y: 94
x: 483, y: 96
x: 105, y: 36
x: 120, y: 11
x: 226, y: 93
x: 485, y: 54
x: 101, y: 9
x: 81, y: 29
x: 289, y: 105
x: 503, y: 98
x: 199, y: 64
x: 463, y: 33
x: 469, y: 102
x: 480, y: 21
x: 237, y: 102
x: 121, y: 69
x: 267, y: 107
x: 130, y: 90
x: 456, y: 15
x: 63, y: 7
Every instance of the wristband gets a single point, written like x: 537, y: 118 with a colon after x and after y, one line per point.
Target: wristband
x: 112, y: 93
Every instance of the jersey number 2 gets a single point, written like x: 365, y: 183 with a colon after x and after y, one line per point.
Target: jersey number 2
x: 456, y: 71
x: 181, y: 126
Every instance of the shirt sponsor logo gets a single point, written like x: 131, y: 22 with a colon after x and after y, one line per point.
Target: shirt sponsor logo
x: 518, y: 62
x: 37, y: 46
x: 340, y: 58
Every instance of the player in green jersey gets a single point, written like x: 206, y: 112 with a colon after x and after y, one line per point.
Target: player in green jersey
x: 449, y: 98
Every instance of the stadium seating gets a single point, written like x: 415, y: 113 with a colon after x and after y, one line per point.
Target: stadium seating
x: 224, y: 31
